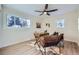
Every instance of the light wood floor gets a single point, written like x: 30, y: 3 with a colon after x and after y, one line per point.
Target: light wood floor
x: 71, y: 48
x: 24, y: 48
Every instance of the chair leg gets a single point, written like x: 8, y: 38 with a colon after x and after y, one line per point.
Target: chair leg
x: 60, y: 50
x: 36, y: 41
x: 45, y: 52
x: 40, y: 49
x: 54, y: 51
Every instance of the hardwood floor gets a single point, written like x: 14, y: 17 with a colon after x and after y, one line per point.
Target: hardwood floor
x: 24, y: 48
x: 71, y: 48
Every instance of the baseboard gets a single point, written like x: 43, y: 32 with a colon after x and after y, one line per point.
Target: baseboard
x: 13, y: 43
x: 74, y: 41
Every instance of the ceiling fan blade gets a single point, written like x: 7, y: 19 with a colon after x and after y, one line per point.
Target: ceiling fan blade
x: 38, y: 11
x: 42, y: 13
x: 46, y: 6
x: 48, y: 14
x: 52, y: 10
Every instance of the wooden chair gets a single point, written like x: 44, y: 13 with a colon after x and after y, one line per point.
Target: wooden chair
x: 37, y: 35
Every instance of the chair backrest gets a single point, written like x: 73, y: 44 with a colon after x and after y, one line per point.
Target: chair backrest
x: 36, y: 35
x: 61, y: 36
x: 55, y: 33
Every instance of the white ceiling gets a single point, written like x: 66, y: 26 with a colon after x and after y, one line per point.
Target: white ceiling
x: 30, y: 8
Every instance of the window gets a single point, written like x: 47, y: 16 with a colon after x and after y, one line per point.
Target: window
x: 60, y: 23
x: 17, y: 22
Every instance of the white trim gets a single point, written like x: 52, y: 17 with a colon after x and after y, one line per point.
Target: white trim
x: 12, y: 43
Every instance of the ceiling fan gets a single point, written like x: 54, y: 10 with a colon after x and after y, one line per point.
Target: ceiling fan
x: 46, y: 11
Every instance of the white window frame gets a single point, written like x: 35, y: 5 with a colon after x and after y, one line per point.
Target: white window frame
x: 15, y: 26
x: 59, y: 23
